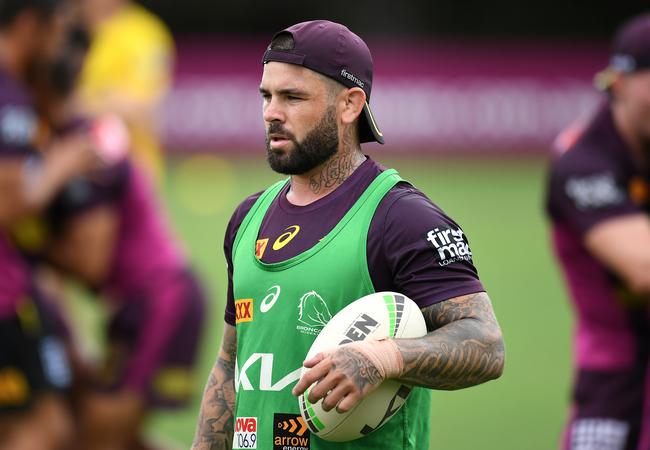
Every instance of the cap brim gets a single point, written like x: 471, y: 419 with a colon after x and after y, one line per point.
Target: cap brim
x: 604, y: 79
x: 368, y: 129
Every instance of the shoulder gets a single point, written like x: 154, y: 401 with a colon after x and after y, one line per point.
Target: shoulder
x: 238, y: 216
x: 407, y: 218
x: 244, y: 207
x: 415, y: 248
x: 405, y: 205
x: 592, y: 148
x: 585, y: 157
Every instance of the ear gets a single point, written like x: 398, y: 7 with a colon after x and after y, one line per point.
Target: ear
x: 617, y: 85
x: 354, y: 99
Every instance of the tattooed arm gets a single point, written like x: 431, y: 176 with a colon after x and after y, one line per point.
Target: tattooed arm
x: 214, y: 430
x: 464, y: 347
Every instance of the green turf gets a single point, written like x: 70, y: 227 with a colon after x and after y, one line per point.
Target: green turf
x: 499, y: 204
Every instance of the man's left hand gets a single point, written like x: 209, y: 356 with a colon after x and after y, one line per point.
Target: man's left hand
x: 348, y: 373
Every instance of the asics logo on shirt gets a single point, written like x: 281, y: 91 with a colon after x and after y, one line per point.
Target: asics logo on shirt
x: 286, y: 237
x: 282, y: 240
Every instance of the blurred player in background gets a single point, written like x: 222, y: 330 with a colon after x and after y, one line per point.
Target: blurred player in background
x: 302, y: 244
x: 598, y: 201
x: 128, y: 72
x: 108, y: 232
x: 34, y: 371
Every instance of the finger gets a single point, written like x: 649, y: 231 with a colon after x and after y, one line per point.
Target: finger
x: 311, y: 362
x: 327, y: 384
x: 310, y: 377
x: 348, y: 402
x: 335, y: 396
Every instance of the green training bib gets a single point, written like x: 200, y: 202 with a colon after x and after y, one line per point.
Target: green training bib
x: 280, y: 309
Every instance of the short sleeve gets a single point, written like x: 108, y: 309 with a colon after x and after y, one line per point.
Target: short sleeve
x: 583, y: 196
x: 416, y: 249
x: 231, y: 233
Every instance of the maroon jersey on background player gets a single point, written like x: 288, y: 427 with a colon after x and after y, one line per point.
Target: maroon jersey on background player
x: 598, y: 201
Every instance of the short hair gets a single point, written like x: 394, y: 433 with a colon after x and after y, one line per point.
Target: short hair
x: 284, y: 41
x: 10, y: 9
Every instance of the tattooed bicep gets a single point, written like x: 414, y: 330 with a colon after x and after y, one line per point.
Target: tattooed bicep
x: 475, y: 306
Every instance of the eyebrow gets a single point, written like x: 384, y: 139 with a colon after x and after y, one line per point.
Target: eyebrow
x: 287, y: 91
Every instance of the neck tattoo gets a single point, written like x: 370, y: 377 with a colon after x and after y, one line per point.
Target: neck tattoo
x: 335, y: 171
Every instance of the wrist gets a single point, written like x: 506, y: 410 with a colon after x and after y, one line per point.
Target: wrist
x: 384, y: 354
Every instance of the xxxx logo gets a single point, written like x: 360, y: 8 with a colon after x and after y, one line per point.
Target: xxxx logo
x: 243, y: 310
x: 260, y: 247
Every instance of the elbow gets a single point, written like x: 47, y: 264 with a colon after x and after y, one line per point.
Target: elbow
x: 493, y: 358
x: 498, y: 358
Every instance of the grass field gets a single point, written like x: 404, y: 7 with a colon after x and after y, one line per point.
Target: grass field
x: 499, y: 204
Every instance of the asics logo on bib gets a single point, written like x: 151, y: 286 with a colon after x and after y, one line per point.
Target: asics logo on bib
x: 270, y: 299
x: 242, y: 381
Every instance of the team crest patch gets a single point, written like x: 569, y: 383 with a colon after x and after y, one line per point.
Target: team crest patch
x: 290, y: 432
x: 243, y: 310
x: 313, y: 313
x: 245, y: 435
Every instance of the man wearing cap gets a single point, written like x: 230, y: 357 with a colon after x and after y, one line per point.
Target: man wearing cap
x: 598, y: 202
x: 341, y: 227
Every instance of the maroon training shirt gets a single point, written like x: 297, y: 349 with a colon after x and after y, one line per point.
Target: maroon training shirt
x: 403, y: 246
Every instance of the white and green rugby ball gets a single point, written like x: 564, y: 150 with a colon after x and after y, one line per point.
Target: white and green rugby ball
x: 375, y: 316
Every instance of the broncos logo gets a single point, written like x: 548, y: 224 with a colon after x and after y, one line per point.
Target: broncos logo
x: 313, y: 310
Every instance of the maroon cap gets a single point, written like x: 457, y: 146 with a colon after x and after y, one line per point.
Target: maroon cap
x: 334, y: 51
x: 630, y: 50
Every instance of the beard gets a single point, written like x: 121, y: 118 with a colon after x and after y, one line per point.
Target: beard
x: 318, y: 146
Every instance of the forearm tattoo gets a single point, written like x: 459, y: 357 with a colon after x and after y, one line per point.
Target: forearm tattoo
x: 215, y: 426
x: 463, y: 348
x: 336, y: 170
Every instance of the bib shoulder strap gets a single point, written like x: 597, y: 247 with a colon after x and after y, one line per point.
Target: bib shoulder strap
x: 260, y: 206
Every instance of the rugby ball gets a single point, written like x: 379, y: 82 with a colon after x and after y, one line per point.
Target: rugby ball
x: 375, y: 316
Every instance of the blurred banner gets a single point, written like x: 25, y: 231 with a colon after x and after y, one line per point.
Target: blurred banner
x: 488, y: 97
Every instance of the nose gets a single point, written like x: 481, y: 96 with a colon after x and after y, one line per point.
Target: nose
x: 272, y: 111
